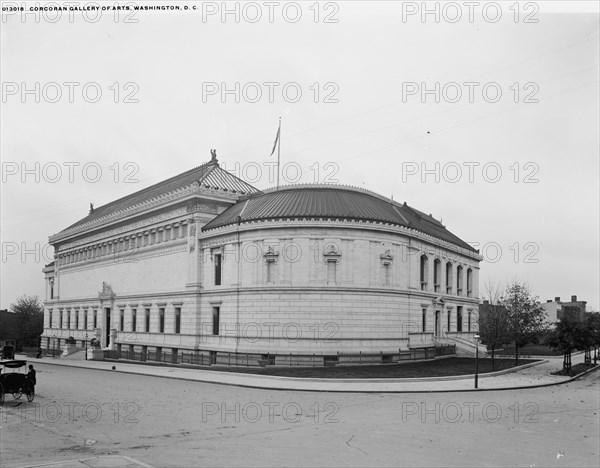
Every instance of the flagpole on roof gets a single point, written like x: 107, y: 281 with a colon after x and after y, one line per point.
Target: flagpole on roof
x: 278, y: 145
x: 278, y: 150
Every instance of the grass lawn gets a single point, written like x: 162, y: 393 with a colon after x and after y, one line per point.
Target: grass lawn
x: 438, y: 368
x: 530, y: 350
x: 576, y: 369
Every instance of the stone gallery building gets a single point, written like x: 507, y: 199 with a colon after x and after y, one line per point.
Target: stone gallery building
x: 207, y: 268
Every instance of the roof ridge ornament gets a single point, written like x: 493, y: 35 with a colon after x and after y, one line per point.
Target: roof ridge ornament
x: 213, y: 157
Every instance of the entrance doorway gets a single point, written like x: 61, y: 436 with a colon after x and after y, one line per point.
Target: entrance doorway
x: 107, y: 329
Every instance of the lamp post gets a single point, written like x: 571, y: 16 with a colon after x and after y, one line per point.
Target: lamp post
x: 85, y: 347
x: 476, y: 360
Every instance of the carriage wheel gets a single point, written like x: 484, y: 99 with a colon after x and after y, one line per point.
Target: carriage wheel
x: 18, y: 394
x: 1, y: 395
x: 31, y: 395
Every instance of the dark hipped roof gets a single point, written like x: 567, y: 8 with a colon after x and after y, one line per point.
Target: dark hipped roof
x: 209, y: 175
x: 331, y: 202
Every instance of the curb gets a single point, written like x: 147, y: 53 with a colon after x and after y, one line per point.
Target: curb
x: 251, y: 375
x: 589, y: 371
x: 258, y: 386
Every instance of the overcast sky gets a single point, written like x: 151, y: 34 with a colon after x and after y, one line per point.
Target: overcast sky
x: 487, y: 119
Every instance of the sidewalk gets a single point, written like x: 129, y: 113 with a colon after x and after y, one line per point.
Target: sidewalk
x: 530, y: 375
x: 106, y: 461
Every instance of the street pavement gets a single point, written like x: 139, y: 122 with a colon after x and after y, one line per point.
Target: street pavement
x: 134, y: 416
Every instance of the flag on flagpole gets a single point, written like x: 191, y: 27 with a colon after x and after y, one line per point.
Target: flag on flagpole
x: 276, y: 139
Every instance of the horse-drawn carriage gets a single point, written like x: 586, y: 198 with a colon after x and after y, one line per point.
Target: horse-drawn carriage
x: 15, y: 382
x: 8, y: 349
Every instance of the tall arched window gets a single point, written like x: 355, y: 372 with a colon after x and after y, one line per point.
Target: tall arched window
x: 424, y: 272
x: 437, y: 275
x: 459, y: 280
x: 449, y: 278
x: 469, y: 283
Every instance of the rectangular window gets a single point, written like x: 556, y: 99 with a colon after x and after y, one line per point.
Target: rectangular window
x: 459, y: 319
x: 60, y: 318
x: 133, y: 319
x: 177, y: 319
x: 217, y: 259
x: 469, y: 321
x: 121, y: 320
x: 424, y: 320
x: 216, y: 313
x: 50, y: 318
x: 161, y: 320
x: 386, y: 274
x: 95, y: 319
x: 147, y: 320
x: 77, y: 320
x: 449, y: 319
x: 69, y: 319
x: 52, y: 289
x: 85, y: 319
x: 331, y: 272
x: 270, y: 271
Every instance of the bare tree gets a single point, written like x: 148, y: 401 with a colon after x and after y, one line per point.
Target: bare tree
x: 494, y: 324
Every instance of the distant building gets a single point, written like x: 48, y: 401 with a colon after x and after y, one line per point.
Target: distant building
x: 557, y: 309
